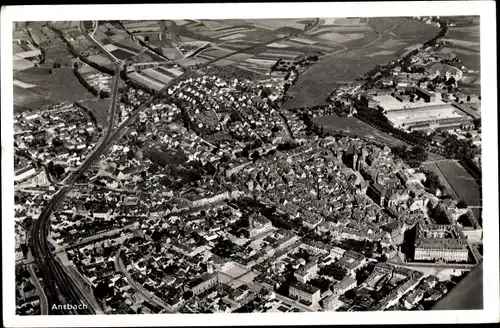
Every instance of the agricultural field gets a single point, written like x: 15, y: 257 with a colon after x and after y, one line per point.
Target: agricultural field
x: 351, y: 125
x: 318, y: 81
x: 469, y: 33
x: 122, y: 54
x: 24, y: 85
x: 274, y: 24
x: 217, y: 52
x: 186, y: 62
x: 151, y: 72
x: 35, y: 87
x: 342, y: 21
x: 386, y: 39
x: 66, y: 25
x: 100, y: 60
x: 141, y: 26
x: 122, y: 46
x: 381, y: 53
x: 256, y: 44
x: 255, y: 69
x: 463, y: 44
x: 171, y: 53
x: 161, y: 74
x: 471, y: 79
x: 39, y: 37
x: 129, y: 45
x: 21, y: 64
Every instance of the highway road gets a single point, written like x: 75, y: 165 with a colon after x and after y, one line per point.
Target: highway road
x: 60, y: 289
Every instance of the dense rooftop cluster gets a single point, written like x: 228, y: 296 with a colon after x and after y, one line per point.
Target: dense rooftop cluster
x: 219, y: 200
x: 27, y: 299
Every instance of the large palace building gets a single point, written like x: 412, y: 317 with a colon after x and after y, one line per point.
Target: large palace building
x: 429, y: 247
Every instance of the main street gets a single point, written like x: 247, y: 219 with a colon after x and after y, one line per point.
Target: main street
x: 59, y: 286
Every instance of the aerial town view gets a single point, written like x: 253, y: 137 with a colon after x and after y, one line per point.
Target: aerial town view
x: 247, y: 165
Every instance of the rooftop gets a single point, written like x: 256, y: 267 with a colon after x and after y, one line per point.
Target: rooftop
x: 304, y: 287
x: 442, y: 243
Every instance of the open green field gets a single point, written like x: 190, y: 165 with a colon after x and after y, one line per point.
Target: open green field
x: 466, y: 33
x: 59, y: 86
x: 457, y: 181
x: 315, y: 85
x: 442, y: 179
x: 403, y: 28
x: 99, y: 107
x: 387, y: 41
x: 463, y: 184
x: 464, y: 41
x: 471, y: 61
x: 351, y: 125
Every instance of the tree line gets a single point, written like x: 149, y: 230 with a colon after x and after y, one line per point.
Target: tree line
x: 442, y: 33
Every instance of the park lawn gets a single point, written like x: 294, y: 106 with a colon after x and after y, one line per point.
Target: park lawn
x: 464, y: 185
